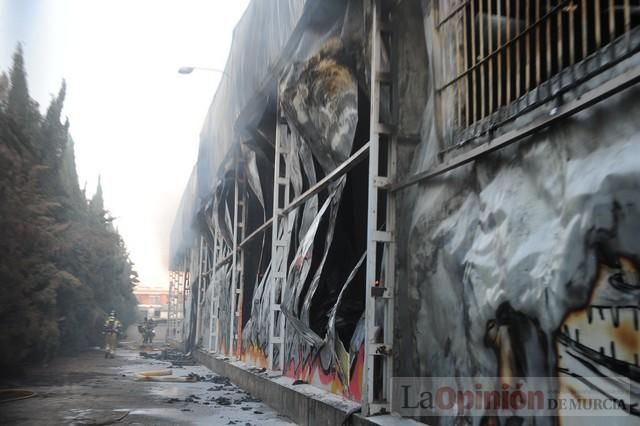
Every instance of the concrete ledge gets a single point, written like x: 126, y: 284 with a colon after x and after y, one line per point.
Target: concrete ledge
x: 304, y: 404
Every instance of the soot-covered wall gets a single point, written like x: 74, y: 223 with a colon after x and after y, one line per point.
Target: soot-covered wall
x: 526, y: 263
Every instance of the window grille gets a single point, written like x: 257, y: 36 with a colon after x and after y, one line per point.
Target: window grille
x: 500, y: 58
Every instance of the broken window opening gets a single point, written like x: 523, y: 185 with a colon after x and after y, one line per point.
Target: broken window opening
x: 349, y: 242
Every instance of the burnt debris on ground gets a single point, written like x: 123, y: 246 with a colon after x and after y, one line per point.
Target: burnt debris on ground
x: 233, y: 396
x: 176, y: 358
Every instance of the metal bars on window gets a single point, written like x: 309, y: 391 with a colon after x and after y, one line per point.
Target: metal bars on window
x: 494, y: 52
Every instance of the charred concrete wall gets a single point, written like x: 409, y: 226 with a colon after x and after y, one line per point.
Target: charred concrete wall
x: 525, y: 263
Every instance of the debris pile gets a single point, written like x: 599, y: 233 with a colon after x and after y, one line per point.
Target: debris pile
x: 233, y: 394
x: 177, y: 358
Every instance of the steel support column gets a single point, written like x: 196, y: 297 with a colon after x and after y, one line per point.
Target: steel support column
x: 237, y: 259
x: 279, y: 247
x: 380, y: 273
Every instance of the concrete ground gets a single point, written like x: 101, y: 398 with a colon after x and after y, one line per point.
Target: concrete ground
x: 91, y: 390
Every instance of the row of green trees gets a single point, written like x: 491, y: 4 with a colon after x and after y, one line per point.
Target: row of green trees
x: 63, y: 265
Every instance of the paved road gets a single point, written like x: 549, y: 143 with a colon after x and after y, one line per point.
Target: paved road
x: 92, y: 390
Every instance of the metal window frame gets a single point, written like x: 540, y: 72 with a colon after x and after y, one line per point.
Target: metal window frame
x: 466, y: 100
x: 604, y: 91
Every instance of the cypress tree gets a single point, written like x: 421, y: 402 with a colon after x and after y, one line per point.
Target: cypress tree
x: 4, y: 90
x: 19, y: 105
x: 62, y: 263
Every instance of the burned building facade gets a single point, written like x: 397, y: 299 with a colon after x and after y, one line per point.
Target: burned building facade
x: 445, y: 188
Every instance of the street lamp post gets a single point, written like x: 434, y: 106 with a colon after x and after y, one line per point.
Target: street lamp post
x: 189, y: 70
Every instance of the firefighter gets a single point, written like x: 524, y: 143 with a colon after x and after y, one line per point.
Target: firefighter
x: 111, y: 330
x: 150, y: 330
x: 142, y: 329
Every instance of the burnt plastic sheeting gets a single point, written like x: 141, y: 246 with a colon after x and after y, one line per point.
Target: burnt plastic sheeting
x: 338, y: 187
x: 256, y: 331
x: 205, y: 316
x: 222, y: 217
x: 258, y: 324
x: 252, y: 174
x: 301, y: 264
x: 258, y: 41
x: 337, y: 30
x: 257, y: 327
x: 357, y: 340
x: 227, y: 230
x: 293, y: 163
x: 256, y: 251
x: 339, y: 356
x: 303, y: 330
x: 319, y: 98
x: 311, y: 206
x: 183, y: 234
x: 191, y: 315
x: 211, y: 227
x: 301, y: 341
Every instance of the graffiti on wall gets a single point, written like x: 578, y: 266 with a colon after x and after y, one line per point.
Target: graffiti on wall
x: 596, y: 347
x: 599, y: 344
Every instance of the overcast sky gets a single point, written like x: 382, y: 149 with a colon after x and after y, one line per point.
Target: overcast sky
x: 135, y: 120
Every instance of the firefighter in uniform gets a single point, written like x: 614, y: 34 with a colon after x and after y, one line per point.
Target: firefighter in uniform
x: 111, y: 330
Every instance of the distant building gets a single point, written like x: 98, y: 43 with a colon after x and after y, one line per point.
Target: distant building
x: 152, y: 302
